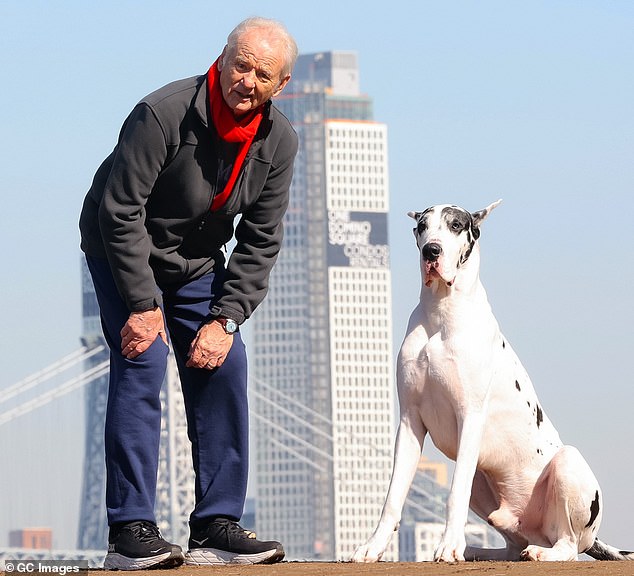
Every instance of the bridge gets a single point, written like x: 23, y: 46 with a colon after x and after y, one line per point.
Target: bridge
x: 175, y: 492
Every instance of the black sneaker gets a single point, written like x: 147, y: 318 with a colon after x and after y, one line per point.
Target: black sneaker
x: 138, y: 545
x: 223, y: 541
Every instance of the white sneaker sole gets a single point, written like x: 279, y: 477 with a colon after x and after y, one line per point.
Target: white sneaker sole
x: 114, y: 561
x: 214, y: 557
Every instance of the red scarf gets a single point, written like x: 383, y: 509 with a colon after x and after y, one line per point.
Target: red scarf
x: 230, y: 129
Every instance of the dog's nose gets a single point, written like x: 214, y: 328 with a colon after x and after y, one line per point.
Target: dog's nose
x: 431, y: 251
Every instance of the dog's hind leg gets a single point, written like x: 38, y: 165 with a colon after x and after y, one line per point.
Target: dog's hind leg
x: 565, y: 509
x: 485, y: 502
x: 407, y: 451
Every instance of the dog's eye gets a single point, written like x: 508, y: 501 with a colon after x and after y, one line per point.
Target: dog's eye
x: 456, y: 225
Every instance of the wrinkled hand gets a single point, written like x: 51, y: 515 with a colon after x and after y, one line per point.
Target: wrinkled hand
x: 210, y: 347
x: 140, y: 331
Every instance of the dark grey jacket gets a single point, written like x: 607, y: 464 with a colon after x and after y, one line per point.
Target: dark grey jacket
x: 147, y: 210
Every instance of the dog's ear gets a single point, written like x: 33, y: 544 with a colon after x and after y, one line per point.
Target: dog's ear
x: 480, y: 216
x: 416, y: 216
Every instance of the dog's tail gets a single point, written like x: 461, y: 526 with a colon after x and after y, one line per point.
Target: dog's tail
x: 602, y: 551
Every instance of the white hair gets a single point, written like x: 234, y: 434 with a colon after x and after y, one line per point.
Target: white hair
x: 277, y: 28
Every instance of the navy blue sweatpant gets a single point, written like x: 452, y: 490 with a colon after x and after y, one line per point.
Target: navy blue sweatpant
x: 215, y: 404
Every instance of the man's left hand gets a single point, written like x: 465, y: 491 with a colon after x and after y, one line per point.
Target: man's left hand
x: 210, y: 347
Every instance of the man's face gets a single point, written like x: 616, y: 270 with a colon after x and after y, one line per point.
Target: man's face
x: 252, y: 74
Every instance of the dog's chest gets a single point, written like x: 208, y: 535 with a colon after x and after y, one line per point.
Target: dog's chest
x: 461, y: 360
x: 446, y: 386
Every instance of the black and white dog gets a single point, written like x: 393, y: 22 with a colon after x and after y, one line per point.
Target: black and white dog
x: 460, y: 381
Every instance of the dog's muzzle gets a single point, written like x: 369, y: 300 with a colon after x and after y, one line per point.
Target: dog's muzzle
x: 432, y: 251
x: 433, y: 265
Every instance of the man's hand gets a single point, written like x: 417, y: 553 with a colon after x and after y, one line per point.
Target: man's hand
x: 140, y: 331
x: 210, y: 347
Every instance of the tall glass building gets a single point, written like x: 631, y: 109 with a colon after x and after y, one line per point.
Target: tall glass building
x: 321, y: 351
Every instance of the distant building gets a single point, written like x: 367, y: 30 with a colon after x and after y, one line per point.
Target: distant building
x: 322, y: 368
x: 31, y: 538
x: 435, y: 470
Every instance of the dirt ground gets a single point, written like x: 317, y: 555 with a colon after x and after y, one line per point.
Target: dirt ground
x: 406, y: 569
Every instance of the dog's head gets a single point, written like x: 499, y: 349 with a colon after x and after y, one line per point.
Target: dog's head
x: 446, y: 235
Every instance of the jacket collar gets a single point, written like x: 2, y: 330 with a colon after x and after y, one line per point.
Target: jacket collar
x: 202, y: 109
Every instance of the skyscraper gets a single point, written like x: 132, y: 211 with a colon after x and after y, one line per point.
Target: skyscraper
x: 322, y: 369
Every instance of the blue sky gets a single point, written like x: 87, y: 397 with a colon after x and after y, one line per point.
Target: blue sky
x: 529, y: 101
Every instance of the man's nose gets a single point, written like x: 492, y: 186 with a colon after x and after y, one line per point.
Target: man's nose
x: 248, y: 79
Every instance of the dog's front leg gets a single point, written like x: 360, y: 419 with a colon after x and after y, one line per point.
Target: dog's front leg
x: 453, y: 544
x: 409, y: 444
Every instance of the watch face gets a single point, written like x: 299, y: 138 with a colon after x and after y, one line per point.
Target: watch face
x: 230, y: 326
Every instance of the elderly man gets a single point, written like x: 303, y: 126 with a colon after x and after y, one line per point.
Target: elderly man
x: 190, y: 158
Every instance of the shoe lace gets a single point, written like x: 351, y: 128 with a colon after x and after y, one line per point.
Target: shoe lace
x: 235, y: 528
x: 144, y: 531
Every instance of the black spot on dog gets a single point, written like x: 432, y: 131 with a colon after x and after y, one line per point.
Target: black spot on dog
x: 422, y: 225
x: 540, y: 452
x: 594, y: 509
x: 503, y: 344
x: 519, y: 388
x: 421, y: 219
x: 540, y: 416
x: 457, y: 219
x: 467, y: 253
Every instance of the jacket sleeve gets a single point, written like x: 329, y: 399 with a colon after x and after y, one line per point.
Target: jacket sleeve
x: 139, y: 157
x: 259, y: 238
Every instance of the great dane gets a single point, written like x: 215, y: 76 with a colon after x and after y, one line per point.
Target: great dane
x: 460, y: 381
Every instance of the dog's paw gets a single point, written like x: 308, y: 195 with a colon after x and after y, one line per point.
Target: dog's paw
x: 534, y: 553
x: 366, y: 553
x: 561, y: 552
x: 450, y: 550
x: 373, y: 549
x: 448, y: 555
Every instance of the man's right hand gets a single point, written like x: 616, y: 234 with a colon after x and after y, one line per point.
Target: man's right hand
x: 140, y: 331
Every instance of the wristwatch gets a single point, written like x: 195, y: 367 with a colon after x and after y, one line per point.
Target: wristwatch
x: 228, y: 324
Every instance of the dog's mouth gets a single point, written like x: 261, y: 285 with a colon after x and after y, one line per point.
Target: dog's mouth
x: 434, y: 271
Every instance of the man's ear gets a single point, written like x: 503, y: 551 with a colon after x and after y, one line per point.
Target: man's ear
x: 221, y: 59
x: 280, y: 86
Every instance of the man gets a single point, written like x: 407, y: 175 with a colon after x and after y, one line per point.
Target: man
x: 190, y: 158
